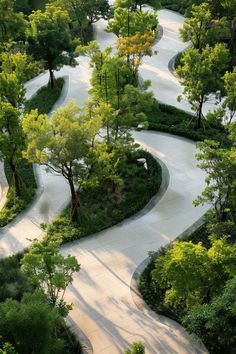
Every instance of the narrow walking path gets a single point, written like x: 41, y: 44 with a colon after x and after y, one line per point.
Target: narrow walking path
x: 103, y: 306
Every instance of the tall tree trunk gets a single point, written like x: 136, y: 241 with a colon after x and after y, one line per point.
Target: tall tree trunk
x: 199, y: 113
x: 74, y: 202
x: 233, y: 39
x: 16, y: 180
x: 52, y: 84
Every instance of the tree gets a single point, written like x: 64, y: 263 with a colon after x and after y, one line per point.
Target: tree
x: 135, y: 348
x: 12, y: 90
x: 50, y: 271
x: 84, y: 13
x: 136, y: 4
x: 201, y: 75
x: 20, y: 64
x: 32, y: 318
x: 49, y: 38
x: 220, y: 191
x: 127, y: 23
x: 12, y: 24
x: 215, y: 323
x: 230, y: 12
x: 230, y: 100
x: 201, y: 28
x: 134, y: 48
x: 11, y: 140
x: 61, y: 144
x: 190, y: 274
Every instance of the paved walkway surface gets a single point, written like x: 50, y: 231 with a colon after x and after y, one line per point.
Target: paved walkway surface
x: 103, y: 306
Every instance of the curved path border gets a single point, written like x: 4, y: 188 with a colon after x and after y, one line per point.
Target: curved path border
x: 103, y: 306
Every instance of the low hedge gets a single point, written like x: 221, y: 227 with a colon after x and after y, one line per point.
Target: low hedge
x: 45, y: 98
x: 175, y: 121
x: 100, y: 209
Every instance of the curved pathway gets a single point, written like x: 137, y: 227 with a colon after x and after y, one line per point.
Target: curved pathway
x: 103, y: 306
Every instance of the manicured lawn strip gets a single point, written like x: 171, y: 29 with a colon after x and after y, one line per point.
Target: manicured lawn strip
x: 14, y: 205
x: 175, y: 121
x: 45, y: 97
x: 100, y: 209
x: 14, y: 284
x: 151, y: 292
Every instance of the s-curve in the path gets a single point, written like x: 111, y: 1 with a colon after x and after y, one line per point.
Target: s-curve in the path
x: 103, y: 305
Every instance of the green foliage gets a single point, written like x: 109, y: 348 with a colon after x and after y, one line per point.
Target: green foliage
x: 230, y: 100
x: 154, y: 294
x: 220, y: 191
x: 49, y: 38
x: 15, y: 285
x: 12, y: 23
x: 215, y: 323
x: 175, y: 272
x: 15, y: 204
x: 61, y: 143
x: 20, y: 64
x: 13, y: 282
x: 175, y: 121
x: 50, y: 271
x: 30, y: 318
x: 103, y: 207
x: 45, y: 98
x: 126, y: 23
x: 201, y: 75
x: 7, y: 349
x: 201, y: 29
x: 135, y: 348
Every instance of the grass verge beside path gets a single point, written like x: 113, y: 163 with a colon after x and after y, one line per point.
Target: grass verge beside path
x: 175, y: 121
x: 45, y: 98
x: 101, y: 209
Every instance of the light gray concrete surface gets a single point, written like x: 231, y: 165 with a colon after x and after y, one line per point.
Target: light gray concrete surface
x: 103, y: 305
x: 3, y: 186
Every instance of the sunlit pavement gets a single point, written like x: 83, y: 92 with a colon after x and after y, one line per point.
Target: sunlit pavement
x: 103, y: 307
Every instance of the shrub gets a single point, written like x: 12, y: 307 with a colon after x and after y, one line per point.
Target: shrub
x: 100, y: 209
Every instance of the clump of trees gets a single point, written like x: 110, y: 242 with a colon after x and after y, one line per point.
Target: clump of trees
x: 40, y: 312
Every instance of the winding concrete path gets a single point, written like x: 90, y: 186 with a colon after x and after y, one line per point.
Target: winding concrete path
x: 103, y: 306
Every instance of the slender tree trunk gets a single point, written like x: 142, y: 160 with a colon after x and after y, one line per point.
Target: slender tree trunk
x: 74, y: 201
x: 199, y: 113
x: 52, y: 84
x: 16, y: 180
x: 233, y: 39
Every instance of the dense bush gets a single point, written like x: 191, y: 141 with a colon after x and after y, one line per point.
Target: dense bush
x: 14, y: 205
x: 15, y: 285
x: 175, y: 121
x: 194, y: 284
x: 100, y: 210
x: 153, y: 294
x: 45, y: 97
